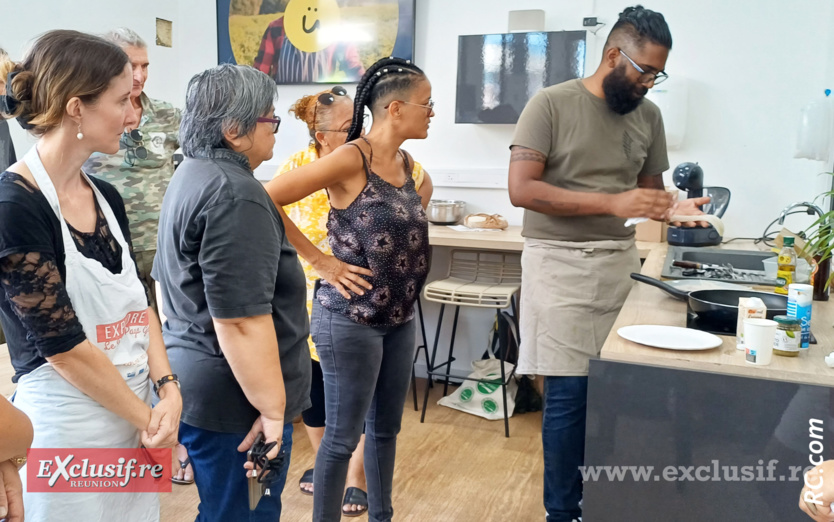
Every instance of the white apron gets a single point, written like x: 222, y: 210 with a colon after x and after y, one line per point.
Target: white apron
x: 571, y: 294
x: 112, y: 309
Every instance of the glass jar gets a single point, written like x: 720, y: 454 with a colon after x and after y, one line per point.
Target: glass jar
x: 788, y: 334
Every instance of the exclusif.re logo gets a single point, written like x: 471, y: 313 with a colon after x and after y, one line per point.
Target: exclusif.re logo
x: 106, y: 333
x: 87, y: 470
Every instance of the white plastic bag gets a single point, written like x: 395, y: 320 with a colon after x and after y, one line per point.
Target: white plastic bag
x: 484, y: 398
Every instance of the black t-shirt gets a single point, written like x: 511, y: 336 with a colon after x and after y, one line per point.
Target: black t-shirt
x: 222, y: 252
x: 46, y: 325
x: 7, y: 155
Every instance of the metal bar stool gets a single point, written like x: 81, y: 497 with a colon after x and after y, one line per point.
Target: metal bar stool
x: 480, y: 280
x: 425, y: 347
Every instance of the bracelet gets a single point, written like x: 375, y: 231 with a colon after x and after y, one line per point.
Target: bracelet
x: 18, y: 461
x: 165, y: 380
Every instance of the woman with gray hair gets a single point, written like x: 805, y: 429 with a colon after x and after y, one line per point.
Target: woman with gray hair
x: 233, y: 292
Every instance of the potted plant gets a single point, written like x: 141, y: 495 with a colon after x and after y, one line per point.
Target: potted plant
x: 820, y: 245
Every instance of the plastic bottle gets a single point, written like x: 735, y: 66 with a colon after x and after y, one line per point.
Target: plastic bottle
x: 799, y: 306
x: 787, y: 266
x: 814, y: 139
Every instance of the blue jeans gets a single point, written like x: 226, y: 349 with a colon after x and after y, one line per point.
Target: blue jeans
x: 367, y: 372
x: 563, y: 441
x: 221, y: 480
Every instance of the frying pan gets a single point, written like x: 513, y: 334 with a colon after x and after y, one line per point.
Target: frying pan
x: 719, y: 307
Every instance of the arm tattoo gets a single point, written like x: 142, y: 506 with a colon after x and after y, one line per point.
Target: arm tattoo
x: 525, y: 154
x: 558, y: 208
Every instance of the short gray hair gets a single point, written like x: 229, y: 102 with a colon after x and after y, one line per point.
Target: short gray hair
x: 124, y: 37
x: 226, y: 98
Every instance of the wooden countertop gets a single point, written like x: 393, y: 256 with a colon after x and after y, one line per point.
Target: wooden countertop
x: 506, y: 240
x: 509, y: 239
x: 648, y: 305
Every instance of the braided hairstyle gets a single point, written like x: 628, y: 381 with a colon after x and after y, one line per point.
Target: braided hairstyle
x: 640, y: 25
x: 382, y: 78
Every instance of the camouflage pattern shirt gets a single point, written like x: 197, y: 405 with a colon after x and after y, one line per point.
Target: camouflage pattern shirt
x: 142, y: 182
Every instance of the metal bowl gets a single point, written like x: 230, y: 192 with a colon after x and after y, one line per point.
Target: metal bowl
x: 445, y: 211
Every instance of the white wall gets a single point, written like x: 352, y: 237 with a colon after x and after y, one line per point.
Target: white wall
x: 24, y: 21
x: 751, y: 66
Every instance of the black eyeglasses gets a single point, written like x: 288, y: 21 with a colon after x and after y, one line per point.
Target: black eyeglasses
x: 133, y: 143
x: 276, y: 122
x: 646, y: 77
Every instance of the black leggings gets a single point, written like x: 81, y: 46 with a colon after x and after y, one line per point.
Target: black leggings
x: 314, y: 415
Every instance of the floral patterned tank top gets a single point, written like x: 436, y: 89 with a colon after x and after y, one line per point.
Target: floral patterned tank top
x: 384, y: 229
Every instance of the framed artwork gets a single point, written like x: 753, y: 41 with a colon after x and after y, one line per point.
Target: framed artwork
x: 314, y: 41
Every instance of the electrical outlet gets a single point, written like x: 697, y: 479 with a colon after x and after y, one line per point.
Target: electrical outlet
x: 589, y: 22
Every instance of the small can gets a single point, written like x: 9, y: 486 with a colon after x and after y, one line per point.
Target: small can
x: 788, y: 335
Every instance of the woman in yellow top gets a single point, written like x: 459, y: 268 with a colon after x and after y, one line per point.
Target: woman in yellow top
x: 328, y: 116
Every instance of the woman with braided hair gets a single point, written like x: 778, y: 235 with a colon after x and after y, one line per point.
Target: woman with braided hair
x: 377, y: 221
x: 328, y: 116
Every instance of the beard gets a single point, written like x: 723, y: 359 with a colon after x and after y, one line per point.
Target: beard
x: 621, y: 94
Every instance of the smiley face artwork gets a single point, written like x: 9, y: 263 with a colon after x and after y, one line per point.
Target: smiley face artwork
x: 314, y: 41
x: 309, y: 22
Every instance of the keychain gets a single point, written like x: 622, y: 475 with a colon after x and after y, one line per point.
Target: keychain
x: 259, y: 481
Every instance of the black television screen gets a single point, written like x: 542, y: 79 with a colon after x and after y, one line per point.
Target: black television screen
x: 499, y: 73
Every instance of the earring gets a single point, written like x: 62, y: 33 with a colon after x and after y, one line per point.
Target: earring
x: 80, y: 134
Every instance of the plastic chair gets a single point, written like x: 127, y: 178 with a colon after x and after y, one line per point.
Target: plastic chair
x: 480, y: 280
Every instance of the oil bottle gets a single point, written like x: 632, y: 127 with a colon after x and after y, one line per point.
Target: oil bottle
x: 787, y: 265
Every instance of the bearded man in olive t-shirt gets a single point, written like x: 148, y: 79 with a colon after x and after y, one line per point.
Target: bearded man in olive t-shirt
x: 587, y: 155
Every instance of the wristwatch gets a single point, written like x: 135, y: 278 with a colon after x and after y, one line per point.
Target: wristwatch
x: 165, y: 380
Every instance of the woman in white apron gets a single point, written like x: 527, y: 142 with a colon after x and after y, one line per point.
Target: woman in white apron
x: 95, y: 393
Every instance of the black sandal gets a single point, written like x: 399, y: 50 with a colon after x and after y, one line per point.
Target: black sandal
x: 184, y: 464
x: 356, y: 497
x: 306, y: 478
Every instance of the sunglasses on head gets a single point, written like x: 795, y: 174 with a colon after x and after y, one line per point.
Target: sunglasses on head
x: 327, y: 99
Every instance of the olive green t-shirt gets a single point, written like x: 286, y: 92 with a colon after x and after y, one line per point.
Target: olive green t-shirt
x: 589, y: 148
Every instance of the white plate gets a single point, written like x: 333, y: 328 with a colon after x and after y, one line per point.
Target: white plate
x: 670, y: 337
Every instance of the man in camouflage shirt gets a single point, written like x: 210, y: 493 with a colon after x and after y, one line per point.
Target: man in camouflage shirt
x: 144, y: 164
